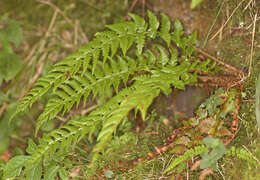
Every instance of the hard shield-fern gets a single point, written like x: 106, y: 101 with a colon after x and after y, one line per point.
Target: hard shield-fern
x: 153, y: 65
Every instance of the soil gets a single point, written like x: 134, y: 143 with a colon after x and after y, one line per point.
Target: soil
x: 198, y: 19
x: 179, y: 104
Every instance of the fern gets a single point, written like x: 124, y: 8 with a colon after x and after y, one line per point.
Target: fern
x: 126, y: 52
x: 242, y: 154
x: 202, y: 149
x: 165, y: 29
x: 187, y: 155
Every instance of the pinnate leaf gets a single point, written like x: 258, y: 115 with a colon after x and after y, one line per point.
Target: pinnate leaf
x: 14, y: 166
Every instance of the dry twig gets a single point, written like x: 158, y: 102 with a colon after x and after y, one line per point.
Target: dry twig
x: 252, y: 47
x: 221, y: 28
x: 56, y: 9
x: 3, y: 107
x: 84, y: 37
x: 228, y: 67
x: 29, y: 56
x: 255, y: 158
x: 76, y: 30
x: 247, y: 5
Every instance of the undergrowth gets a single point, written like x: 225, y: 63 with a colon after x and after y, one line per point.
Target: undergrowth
x: 130, y: 64
x: 148, y: 63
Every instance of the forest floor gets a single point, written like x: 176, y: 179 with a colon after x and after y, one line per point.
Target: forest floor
x: 228, y: 31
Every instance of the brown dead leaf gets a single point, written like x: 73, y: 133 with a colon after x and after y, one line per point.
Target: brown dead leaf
x: 178, y: 149
x: 66, y: 35
x: 6, y: 155
x: 224, y: 132
x: 166, y: 122
x: 184, y: 140
x: 196, y: 165
x: 75, y: 173
x: 205, y: 172
x: 206, y: 125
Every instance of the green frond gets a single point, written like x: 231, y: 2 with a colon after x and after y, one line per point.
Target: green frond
x: 187, y: 155
x: 140, y: 23
x: 104, y: 63
x: 62, y: 139
x: 153, y: 25
x: 14, y: 166
x: 122, y: 28
x: 141, y: 27
x: 177, y: 33
x: 96, y: 54
x: 71, y: 91
x: 145, y: 90
x: 43, y: 84
x: 174, y: 55
x: 163, y: 54
x: 107, y: 42
x: 151, y: 58
x: 87, y: 54
x: 140, y: 41
x: 165, y: 29
x: 140, y: 97
x: 242, y: 154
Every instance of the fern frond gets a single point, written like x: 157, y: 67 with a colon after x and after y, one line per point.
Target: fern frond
x: 141, y: 28
x: 43, y: 84
x: 165, y: 29
x: 62, y: 139
x: 123, y: 33
x: 187, y: 155
x: 140, y: 98
x: 177, y: 33
x: 71, y: 91
x: 163, y: 54
x: 140, y: 23
x: 153, y: 25
x: 242, y: 154
x: 105, y: 63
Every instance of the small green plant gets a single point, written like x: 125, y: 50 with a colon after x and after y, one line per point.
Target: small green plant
x: 210, y: 159
x: 10, y: 63
x: 186, y: 156
x: 217, y: 108
x: 243, y: 155
x: 137, y: 60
